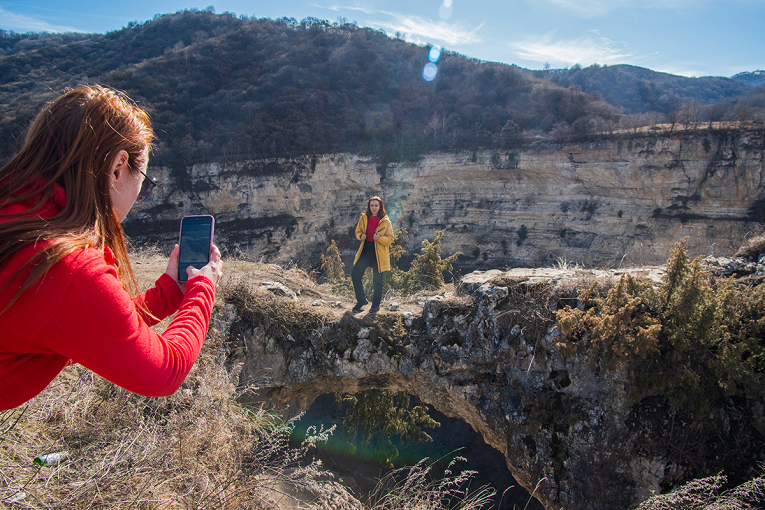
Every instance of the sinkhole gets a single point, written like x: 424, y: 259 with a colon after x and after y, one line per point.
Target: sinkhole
x: 359, y: 466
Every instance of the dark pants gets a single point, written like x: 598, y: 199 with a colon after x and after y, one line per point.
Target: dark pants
x: 367, y: 259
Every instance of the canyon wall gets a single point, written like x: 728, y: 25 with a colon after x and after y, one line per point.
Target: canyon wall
x: 615, y: 200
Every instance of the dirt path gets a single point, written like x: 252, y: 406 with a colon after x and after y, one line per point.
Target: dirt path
x: 290, y: 282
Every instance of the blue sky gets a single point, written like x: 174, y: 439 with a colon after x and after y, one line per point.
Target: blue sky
x: 685, y: 37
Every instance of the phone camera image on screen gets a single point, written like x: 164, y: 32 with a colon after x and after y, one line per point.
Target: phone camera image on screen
x: 195, y: 243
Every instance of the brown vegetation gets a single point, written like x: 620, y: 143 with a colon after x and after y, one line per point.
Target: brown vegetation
x: 709, y: 494
x: 198, y: 448
x: 753, y: 247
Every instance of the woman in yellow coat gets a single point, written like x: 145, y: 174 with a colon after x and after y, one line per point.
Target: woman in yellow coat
x: 375, y: 232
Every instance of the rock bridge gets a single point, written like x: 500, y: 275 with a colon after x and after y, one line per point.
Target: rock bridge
x: 577, y: 430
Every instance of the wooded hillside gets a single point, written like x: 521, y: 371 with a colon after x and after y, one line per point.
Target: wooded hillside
x: 221, y: 87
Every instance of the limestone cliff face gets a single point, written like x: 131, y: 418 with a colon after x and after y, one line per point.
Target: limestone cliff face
x: 617, y: 200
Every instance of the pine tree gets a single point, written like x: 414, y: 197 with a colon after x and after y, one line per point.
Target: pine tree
x: 332, y: 265
x: 427, y: 270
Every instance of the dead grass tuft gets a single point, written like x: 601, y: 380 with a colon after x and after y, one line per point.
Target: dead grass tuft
x: 412, y: 488
x: 707, y: 494
x: 752, y: 247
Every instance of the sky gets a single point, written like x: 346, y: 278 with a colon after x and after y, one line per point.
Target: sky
x: 683, y: 37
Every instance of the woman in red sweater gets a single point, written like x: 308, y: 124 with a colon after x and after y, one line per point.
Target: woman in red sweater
x: 67, y: 291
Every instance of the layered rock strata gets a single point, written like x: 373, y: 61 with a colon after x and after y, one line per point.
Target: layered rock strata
x: 611, y: 202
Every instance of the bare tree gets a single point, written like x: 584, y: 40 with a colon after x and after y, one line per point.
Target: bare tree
x: 691, y: 114
x: 715, y: 112
x: 632, y: 122
x: 673, y: 118
x: 437, y: 122
x: 654, y: 118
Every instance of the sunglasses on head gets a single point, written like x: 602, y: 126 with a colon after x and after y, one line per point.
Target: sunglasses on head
x: 147, y: 185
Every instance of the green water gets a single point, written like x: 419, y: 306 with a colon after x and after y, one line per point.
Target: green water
x: 363, y: 464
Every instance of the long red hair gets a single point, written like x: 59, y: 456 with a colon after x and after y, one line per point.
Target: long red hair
x: 72, y: 143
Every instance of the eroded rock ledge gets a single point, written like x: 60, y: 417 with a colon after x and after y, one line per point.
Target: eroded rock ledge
x: 586, y: 432
x: 613, y: 200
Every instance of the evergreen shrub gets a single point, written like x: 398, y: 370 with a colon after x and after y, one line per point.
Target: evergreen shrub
x: 700, y: 337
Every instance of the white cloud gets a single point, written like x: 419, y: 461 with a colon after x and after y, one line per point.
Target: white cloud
x: 593, y: 8
x: 413, y: 28
x: 422, y: 31
x: 589, y: 8
x: 21, y: 23
x: 336, y: 8
x: 562, y: 53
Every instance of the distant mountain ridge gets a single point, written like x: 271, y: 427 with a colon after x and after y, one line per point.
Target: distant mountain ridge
x: 639, y: 90
x: 220, y: 88
x: 755, y: 78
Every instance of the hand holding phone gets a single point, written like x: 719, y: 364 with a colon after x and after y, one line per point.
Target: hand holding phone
x: 195, y: 241
x: 213, y: 270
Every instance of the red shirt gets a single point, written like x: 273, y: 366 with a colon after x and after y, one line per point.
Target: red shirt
x: 372, y: 223
x: 80, y: 311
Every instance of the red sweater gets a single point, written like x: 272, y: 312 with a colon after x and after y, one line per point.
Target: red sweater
x: 372, y: 223
x: 79, y: 311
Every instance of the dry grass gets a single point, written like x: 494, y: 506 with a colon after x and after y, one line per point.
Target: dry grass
x: 694, y: 128
x: 412, y: 488
x: 752, y: 247
x: 196, y: 449
x: 707, y: 494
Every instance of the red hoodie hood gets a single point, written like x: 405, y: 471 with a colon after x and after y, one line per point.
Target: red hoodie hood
x: 52, y: 207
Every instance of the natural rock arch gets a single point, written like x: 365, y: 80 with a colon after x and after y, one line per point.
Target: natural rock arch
x: 566, y: 425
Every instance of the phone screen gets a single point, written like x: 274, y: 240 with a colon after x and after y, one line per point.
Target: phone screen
x: 195, y: 243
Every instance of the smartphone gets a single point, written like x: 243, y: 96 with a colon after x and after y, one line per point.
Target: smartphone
x: 195, y: 241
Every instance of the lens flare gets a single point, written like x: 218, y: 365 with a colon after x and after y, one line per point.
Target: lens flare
x: 434, y: 54
x: 430, y: 71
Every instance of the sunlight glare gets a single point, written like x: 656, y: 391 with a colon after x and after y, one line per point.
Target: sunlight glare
x: 434, y: 54
x: 430, y: 71
x: 445, y: 10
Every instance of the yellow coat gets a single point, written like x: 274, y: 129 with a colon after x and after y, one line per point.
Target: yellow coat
x: 385, y: 231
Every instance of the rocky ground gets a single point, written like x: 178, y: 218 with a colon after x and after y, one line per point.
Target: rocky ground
x: 480, y: 359
x: 290, y: 282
